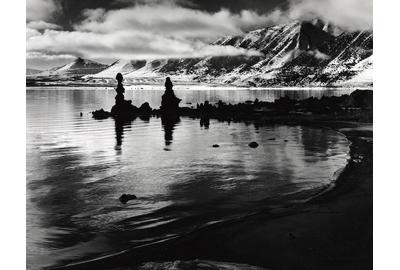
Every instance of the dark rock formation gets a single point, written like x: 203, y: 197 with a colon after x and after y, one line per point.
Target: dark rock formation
x: 101, y: 114
x: 169, y: 102
x: 253, y: 144
x: 145, y: 109
x: 122, y: 108
x: 126, y: 197
x: 358, y: 105
x: 125, y: 110
x: 360, y: 99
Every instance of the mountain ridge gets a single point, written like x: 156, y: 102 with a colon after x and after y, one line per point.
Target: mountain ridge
x: 78, y: 67
x: 295, y: 54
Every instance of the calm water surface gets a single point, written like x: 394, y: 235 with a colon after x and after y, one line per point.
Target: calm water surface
x: 77, y: 168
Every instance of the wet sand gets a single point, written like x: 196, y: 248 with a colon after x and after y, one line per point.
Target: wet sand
x: 330, y: 231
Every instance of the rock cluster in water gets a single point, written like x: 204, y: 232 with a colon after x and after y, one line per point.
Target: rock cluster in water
x: 124, y: 108
x: 357, y: 104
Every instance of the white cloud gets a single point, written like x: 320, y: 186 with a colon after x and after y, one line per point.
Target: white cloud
x: 54, y: 57
x: 41, y: 25
x: 171, y: 20
x: 348, y: 14
x: 147, y: 31
x: 31, y: 33
x: 43, y: 61
x: 124, y: 44
x: 37, y: 10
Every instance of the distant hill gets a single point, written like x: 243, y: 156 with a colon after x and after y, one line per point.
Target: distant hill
x: 78, y: 67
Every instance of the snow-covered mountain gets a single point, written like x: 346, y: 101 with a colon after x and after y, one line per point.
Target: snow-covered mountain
x: 120, y: 66
x: 299, y: 53
x: 295, y: 54
x: 78, y: 67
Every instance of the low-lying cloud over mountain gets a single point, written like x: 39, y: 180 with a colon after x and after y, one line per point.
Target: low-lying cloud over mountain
x: 129, y: 29
x: 298, y: 53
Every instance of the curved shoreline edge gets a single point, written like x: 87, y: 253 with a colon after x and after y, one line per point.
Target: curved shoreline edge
x: 332, y: 230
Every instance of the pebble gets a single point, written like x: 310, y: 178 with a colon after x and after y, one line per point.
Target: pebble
x: 253, y: 144
x: 126, y: 197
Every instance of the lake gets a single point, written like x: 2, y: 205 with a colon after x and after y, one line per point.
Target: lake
x: 78, y: 167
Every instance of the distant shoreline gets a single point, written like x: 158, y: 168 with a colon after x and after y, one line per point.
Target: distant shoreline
x: 195, y: 87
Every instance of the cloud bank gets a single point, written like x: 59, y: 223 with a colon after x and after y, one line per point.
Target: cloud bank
x: 351, y: 15
x: 145, y: 31
x: 37, y: 10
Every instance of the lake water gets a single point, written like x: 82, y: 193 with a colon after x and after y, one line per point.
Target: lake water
x: 78, y: 167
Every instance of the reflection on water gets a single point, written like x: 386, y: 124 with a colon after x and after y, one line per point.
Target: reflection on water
x: 120, y: 125
x: 95, y: 99
x: 169, y: 122
x: 78, y: 167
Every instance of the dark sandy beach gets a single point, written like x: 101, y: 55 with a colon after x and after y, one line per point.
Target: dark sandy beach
x: 330, y: 231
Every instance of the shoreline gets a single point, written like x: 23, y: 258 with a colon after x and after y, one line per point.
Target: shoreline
x: 178, y: 87
x: 300, y: 236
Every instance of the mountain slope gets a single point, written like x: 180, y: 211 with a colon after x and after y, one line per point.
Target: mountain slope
x: 120, y: 66
x: 295, y: 54
x: 78, y: 67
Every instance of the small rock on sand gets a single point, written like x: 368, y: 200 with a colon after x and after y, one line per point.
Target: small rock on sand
x: 126, y: 197
x: 253, y: 144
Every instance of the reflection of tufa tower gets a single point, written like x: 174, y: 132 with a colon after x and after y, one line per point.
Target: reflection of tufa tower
x: 169, y: 123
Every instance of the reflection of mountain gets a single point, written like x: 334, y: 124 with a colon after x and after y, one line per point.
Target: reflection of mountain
x: 293, y: 54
